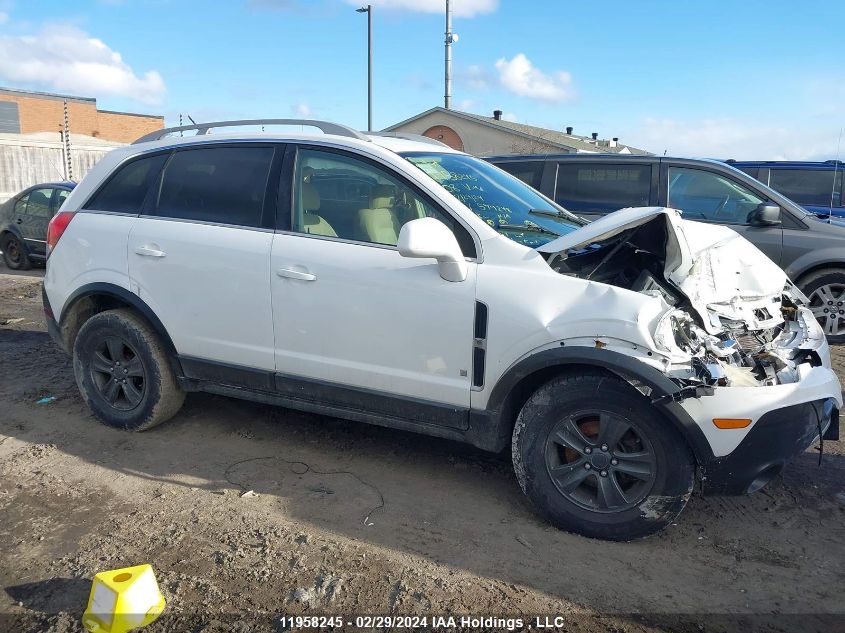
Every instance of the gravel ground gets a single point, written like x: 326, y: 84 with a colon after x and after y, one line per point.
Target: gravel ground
x: 341, y: 518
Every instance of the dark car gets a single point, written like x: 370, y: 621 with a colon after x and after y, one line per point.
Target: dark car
x: 810, y: 249
x: 816, y: 186
x: 23, y: 223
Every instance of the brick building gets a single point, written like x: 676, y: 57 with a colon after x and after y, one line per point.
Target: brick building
x: 25, y: 112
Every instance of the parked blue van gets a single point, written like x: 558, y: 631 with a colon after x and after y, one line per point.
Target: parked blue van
x: 815, y: 186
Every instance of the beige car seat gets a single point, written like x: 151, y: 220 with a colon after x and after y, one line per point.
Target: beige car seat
x: 312, y: 222
x: 379, y: 224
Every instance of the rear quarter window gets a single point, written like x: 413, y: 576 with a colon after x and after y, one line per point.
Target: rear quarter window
x: 126, y: 189
x: 806, y: 186
x: 599, y: 188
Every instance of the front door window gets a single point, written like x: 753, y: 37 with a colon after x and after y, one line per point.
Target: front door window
x: 704, y: 195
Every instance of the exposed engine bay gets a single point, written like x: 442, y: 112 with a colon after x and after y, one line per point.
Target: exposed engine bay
x: 720, y: 326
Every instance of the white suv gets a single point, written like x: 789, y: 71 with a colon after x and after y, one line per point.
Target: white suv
x: 392, y: 280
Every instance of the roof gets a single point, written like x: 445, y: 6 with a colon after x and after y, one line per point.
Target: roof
x: 548, y: 136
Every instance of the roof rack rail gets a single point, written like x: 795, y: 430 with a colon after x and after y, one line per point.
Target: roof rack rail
x: 203, y: 128
x: 409, y: 137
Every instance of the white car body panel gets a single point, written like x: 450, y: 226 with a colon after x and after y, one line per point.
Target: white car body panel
x: 93, y: 250
x: 718, y: 269
x: 372, y: 319
x: 375, y: 320
x: 211, y: 290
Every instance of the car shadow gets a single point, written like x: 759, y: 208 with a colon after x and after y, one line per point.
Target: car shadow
x: 455, y: 505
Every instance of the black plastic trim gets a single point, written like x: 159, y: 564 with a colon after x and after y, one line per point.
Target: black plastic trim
x: 625, y: 367
x: 111, y: 290
x: 318, y: 395
x: 777, y: 437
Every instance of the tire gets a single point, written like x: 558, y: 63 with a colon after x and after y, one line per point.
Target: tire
x: 14, y: 253
x: 826, y: 291
x: 123, y: 373
x: 591, y: 410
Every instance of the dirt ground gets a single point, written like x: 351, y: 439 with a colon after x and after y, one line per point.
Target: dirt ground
x: 344, y: 518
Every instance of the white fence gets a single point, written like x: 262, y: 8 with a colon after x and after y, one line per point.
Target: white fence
x: 29, y: 159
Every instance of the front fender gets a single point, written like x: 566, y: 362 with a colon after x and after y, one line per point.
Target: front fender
x: 630, y: 369
x: 814, y: 259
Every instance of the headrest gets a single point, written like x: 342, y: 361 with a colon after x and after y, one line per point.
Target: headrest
x: 310, y: 197
x: 383, y: 197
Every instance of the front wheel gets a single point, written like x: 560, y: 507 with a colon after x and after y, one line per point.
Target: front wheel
x: 826, y: 291
x: 596, y: 458
x: 123, y: 373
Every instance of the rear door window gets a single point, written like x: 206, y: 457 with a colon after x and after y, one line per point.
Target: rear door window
x: 602, y: 188
x: 126, y: 190
x: 805, y: 186
x: 222, y: 185
x: 59, y: 198
x: 529, y: 172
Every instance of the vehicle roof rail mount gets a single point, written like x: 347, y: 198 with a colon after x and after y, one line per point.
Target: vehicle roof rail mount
x: 202, y: 128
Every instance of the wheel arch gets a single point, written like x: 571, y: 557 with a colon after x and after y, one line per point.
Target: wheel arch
x: 93, y: 298
x: 833, y: 266
x: 522, y: 379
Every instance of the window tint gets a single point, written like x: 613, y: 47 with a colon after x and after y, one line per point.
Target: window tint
x: 39, y: 203
x: 806, y: 186
x: 528, y: 172
x: 341, y: 196
x: 125, y: 191
x: 225, y: 185
x: 20, y: 205
x: 61, y: 195
x: 703, y: 195
x: 600, y: 188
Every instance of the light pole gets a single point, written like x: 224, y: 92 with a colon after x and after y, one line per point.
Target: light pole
x: 369, y: 11
x: 451, y: 38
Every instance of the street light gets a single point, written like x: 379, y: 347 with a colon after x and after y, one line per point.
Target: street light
x: 369, y: 11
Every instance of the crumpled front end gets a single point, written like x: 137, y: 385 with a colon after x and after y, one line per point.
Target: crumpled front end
x: 758, y: 343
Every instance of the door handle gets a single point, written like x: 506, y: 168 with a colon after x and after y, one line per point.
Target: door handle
x: 290, y: 273
x: 149, y: 251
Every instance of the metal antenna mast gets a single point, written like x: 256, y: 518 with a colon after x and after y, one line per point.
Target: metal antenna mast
x: 450, y: 37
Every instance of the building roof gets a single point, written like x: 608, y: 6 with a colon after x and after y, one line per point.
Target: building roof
x: 35, y: 94
x: 545, y: 135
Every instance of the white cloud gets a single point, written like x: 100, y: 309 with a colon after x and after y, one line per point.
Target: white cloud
x: 510, y: 116
x: 302, y: 110
x: 735, y: 138
x: 460, y: 8
x: 522, y: 78
x: 465, y: 105
x: 4, y: 17
x: 473, y: 77
x: 67, y: 59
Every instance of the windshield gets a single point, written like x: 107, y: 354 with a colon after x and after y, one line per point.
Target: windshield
x: 506, y: 203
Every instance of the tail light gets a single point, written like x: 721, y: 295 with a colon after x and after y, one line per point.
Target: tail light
x: 56, y: 228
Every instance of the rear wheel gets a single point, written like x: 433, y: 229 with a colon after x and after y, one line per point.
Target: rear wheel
x: 14, y: 253
x: 596, y: 458
x: 826, y: 291
x: 123, y: 373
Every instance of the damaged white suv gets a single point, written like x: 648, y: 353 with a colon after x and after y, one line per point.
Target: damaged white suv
x: 395, y: 281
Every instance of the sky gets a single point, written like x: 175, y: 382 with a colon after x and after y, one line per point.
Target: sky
x: 745, y: 79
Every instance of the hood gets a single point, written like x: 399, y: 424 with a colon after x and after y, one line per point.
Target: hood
x: 721, y: 273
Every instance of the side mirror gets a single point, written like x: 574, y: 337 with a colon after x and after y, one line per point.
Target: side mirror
x: 431, y: 239
x: 765, y: 215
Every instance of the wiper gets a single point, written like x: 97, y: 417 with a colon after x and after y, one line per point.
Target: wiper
x: 531, y: 228
x: 550, y: 213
